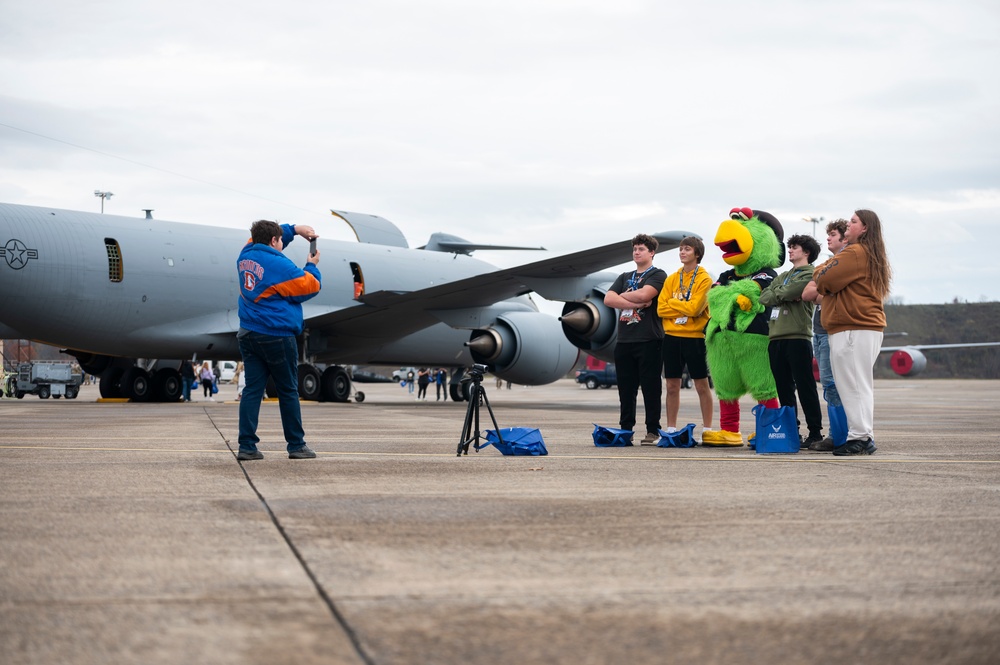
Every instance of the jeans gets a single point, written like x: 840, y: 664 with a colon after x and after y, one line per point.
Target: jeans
x: 277, y: 357
x: 821, y: 346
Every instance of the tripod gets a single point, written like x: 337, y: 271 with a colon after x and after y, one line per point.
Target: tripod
x: 476, y: 396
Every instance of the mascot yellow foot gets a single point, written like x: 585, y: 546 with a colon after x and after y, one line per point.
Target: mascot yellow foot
x: 720, y: 437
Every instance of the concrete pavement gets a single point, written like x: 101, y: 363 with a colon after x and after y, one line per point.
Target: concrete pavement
x: 130, y: 534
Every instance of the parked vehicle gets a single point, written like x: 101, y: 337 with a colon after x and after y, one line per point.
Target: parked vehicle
x: 598, y: 378
x: 45, y: 379
x: 227, y: 370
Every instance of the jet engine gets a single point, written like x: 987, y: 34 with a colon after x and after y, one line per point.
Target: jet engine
x: 591, y: 325
x: 908, y: 361
x: 524, y: 347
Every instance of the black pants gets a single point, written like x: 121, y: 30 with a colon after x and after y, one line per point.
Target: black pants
x: 638, y: 366
x: 792, y: 367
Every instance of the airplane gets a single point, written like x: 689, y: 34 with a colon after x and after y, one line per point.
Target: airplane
x: 910, y: 361
x: 119, y: 292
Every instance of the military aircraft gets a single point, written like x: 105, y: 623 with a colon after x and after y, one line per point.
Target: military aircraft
x: 910, y: 360
x: 118, y: 292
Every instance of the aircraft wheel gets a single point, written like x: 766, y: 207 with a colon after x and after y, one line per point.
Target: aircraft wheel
x: 455, y: 390
x: 336, y: 384
x: 309, y: 387
x: 167, y: 385
x: 135, y: 384
x: 72, y: 392
x: 44, y: 392
x: 111, y: 382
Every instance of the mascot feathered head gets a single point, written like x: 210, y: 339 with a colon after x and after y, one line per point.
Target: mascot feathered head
x: 751, y: 240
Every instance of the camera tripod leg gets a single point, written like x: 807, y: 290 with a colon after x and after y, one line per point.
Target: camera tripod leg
x: 468, y: 433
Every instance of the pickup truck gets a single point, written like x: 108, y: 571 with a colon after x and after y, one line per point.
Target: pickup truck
x: 598, y: 378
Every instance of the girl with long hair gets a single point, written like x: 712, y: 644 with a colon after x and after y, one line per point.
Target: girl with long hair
x: 854, y: 285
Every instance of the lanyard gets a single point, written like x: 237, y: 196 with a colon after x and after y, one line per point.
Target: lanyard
x: 687, y: 296
x: 789, y: 276
x: 633, y: 282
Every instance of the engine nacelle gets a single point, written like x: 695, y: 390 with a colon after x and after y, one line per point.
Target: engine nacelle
x: 525, y: 348
x: 908, y: 362
x: 591, y: 325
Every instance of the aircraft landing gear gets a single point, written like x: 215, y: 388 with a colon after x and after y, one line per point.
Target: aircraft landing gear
x: 336, y: 384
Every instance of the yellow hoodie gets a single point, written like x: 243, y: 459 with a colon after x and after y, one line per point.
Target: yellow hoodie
x: 683, y: 303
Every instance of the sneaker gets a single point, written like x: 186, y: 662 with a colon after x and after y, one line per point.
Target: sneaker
x: 811, y: 439
x: 651, y: 438
x: 856, y: 447
x: 824, y: 446
x: 244, y: 456
x: 305, y: 452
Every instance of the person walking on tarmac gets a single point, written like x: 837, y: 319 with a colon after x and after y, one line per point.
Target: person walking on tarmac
x: 272, y: 290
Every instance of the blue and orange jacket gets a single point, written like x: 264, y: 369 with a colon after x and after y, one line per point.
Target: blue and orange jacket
x: 272, y: 288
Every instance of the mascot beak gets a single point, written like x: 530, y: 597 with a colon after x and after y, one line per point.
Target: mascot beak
x: 735, y: 241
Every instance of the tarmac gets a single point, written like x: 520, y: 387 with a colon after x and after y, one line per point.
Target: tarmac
x: 131, y: 534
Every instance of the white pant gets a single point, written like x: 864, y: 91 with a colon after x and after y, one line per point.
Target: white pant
x: 852, y: 357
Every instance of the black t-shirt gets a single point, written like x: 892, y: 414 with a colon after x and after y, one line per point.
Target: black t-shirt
x: 763, y: 277
x: 640, y: 325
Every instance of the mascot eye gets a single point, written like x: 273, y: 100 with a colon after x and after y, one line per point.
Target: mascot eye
x: 743, y: 214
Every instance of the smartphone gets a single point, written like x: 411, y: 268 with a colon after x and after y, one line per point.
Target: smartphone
x: 312, y: 246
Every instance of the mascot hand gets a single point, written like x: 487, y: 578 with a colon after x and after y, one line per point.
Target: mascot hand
x: 745, y: 303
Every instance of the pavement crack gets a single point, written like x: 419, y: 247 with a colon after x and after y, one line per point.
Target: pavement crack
x: 338, y: 616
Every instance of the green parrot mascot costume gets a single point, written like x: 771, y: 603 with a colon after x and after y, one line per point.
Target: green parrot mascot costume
x: 736, y: 337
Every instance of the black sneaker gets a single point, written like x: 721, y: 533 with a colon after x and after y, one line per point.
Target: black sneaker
x: 305, y: 452
x: 811, y: 439
x: 856, y: 447
x: 244, y: 456
x: 824, y: 446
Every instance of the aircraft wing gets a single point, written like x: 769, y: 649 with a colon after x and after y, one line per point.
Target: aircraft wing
x: 921, y: 347
x: 461, y: 303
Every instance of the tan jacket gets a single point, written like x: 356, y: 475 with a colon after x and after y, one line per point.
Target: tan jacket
x: 849, y: 302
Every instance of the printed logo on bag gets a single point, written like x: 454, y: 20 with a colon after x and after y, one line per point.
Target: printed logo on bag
x: 777, y: 433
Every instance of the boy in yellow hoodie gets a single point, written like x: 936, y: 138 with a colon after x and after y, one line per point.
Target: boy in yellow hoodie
x: 683, y: 309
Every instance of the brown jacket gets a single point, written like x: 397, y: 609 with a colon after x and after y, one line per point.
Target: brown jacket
x: 849, y: 302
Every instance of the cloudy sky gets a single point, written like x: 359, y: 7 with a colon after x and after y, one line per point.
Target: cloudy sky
x: 560, y: 123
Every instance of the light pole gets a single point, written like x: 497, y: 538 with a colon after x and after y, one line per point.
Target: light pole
x: 815, y: 221
x: 102, y: 195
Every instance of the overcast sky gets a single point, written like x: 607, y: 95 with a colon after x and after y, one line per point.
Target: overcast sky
x: 561, y: 123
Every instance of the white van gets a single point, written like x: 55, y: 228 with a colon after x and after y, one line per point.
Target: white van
x: 227, y: 370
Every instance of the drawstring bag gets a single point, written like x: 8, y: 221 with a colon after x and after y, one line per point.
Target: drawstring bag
x: 215, y: 387
x: 607, y: 437
x: 516, y: 441
x: 682, y: 438
x: 777, y: 431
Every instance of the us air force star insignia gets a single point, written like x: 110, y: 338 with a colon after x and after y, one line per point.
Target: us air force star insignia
x: 17, y: 254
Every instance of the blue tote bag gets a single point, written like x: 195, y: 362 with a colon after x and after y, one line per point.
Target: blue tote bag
x: 609, y: 437
x: 682, y: 438
x: 777, y: 431
x: 516, y: 441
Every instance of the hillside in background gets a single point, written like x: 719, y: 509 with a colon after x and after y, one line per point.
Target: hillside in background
x: 946, y: 324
